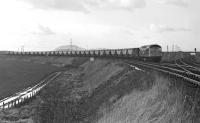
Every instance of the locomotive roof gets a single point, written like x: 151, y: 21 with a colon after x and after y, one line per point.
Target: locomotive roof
x: 151, y: 46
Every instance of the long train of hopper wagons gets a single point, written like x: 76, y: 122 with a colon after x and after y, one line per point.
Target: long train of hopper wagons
x: 146, y: 53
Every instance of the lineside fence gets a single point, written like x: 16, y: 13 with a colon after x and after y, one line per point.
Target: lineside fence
x: 27, y: 94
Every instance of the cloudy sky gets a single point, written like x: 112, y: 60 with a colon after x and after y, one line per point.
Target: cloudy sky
x: 47, y: 24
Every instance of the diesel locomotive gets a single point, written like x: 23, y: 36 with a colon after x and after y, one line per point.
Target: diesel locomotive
x: 151, y: 52
x: 145, y: 53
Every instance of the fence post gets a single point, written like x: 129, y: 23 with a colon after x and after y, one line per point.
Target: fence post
x: 24, y: 99
x: 11, y: 103
x: 18, y: 101
x: 3, y: 105
x: 15, y: 103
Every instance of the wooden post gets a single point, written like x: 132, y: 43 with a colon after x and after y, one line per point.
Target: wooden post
x: 12, y: 103
x: 18, y: 101
x: 24, y: 99
x: 15, y: 103
x: 3, y: 105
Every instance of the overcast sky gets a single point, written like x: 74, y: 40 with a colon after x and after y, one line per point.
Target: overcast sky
x: 47, y: 24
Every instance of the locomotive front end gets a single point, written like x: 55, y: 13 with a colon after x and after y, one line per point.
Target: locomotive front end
x: 151, y: 53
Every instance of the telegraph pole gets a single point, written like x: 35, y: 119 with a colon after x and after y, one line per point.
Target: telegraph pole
x: 167, y: 49
x: 71, y: 44
x: 87, y: 47
x: 22, y: 48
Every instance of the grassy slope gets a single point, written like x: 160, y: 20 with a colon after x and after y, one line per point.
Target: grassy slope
x: 152, y: 105
x: 74, y: 87
x: 99, y: 72
x: 107, y: 91
x: 164, y: 102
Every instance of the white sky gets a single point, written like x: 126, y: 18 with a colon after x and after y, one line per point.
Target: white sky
x: 47, y: 24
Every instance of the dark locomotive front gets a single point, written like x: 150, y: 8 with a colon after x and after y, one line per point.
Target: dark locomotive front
x: 151, y: 53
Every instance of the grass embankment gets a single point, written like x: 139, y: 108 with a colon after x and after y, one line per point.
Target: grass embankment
x: 108, y: 91
x: 166, y: 101
x: 66, y: 101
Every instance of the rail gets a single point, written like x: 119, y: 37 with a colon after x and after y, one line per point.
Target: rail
x: 173, y: 72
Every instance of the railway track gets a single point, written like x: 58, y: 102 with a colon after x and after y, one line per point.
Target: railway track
x: 173, y: 70
x: 187, y: 67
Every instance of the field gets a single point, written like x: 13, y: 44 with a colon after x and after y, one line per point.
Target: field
x: 17, y: 74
